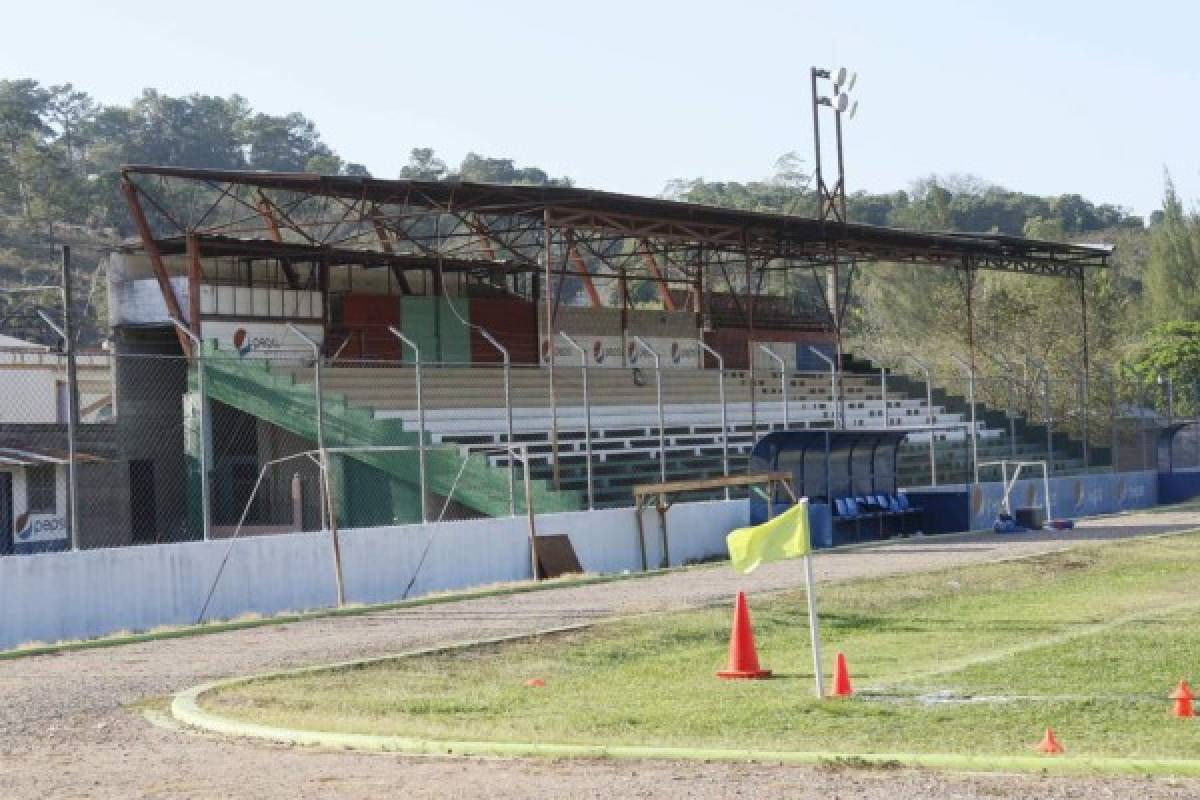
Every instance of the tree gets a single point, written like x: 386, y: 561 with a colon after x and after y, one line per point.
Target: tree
x: 22, y: 108
x: 1173, y: 272
x: 71, y: 111
x: 423, y: 165
x: 281, y: 143
x: 1171, y: 352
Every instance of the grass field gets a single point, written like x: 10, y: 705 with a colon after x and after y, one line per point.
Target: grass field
x: 976, y: 660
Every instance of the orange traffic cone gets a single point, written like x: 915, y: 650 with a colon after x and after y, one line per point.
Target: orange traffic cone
x: 1183, y: 700
x: 1049, y: 744
x: 841, y: 677
x: 743, y: 658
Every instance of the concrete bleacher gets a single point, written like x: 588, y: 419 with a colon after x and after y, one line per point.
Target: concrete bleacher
x: 465, y: 407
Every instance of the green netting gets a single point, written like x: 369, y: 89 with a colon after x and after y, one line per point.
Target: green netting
x: 432, y: 323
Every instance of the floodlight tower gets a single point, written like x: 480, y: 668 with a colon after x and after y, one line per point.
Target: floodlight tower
x: 831, y: 203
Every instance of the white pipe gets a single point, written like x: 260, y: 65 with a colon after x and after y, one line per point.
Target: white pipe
x: 833, y: 394
x: 724, y: 409
x: 587, y: 414
x: 662, y: 435
x: 420, y: 422
x: 782, y: 379
x: 508, y: 412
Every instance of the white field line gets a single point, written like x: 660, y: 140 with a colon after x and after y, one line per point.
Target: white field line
x: 1037, y: 644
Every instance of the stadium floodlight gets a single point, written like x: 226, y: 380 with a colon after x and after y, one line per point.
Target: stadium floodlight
x: 853, y: 80
x: 840, y: 102
x: 853, y: 109
x: 838, y: 76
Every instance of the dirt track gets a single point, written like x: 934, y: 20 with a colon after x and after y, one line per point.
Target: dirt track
x: 66, y: 731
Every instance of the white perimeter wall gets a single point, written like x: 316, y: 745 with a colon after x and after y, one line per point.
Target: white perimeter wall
x: 55, y: 596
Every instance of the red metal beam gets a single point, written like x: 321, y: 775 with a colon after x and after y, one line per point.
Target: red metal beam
x: 156, y: 262
x: 652, y: 265
x: 582, y: 269
x: 266, y: 210
x: 194, y: 276
x: 385, y: 241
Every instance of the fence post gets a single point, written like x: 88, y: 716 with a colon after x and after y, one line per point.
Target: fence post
x: 508, y: 414
x: 782, y: 379
x: 587, y: 414
x: 328, y: 514
x: 974, y: 428
x: 72, y: 405
x: 724, y: 412
x: 1049, y: 419
x: 662, y: 431
x: 205, y: 427
x: 924, y: 367
x: 1114, y: 433
x: 420, y: 421
x: 833, y: 384
x: 1083, y: 418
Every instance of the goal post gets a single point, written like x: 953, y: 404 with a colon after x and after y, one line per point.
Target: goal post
x: 514, y: 457
x: 1010, y: 482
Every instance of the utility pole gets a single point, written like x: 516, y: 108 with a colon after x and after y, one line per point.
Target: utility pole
x: 68, y: 335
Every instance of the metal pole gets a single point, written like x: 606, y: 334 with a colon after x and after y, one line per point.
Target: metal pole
x: 420, y: 421
x: 782, y: 379
x: 662, y: 435
x: 508, y: 414
x: 550, y: 308
x: 921, y: 365
x: 833, y: 398
x: 974, y: 428
x: 202, y: 385
x: 72, y: 401
x: 587, y: 414
x: 813, y: 631
x: 1046, y: 411
x: 533, y: 554
x: 1114, y: 433
x: 72, y: 414
x: 1012, y: 420
x: 724, y: 412
x: 327, y: 505
x: 320, y: 414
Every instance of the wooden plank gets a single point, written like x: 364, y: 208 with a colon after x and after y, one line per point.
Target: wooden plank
x: 556, y: 556
x: 671, y: 487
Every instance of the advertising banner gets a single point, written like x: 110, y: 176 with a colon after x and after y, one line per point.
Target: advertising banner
x: 612, y: 351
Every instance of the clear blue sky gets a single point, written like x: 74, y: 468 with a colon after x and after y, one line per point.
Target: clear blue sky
x: 1045, y: 97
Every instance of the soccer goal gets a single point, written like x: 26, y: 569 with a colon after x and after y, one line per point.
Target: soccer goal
x: 514, y: 458
x: 1016, y: 468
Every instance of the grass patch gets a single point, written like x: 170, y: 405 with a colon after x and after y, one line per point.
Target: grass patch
x: 972, y: 660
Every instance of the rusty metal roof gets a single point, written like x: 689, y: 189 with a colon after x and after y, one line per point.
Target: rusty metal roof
x: 800, y: 239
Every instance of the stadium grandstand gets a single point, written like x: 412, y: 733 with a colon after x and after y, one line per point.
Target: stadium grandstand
x: 623, y: 339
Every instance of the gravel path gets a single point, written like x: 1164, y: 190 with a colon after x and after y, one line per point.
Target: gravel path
x: 65, y: 731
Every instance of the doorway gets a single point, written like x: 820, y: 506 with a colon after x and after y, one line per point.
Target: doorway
x: 6, y: 514
x: 143, y: 513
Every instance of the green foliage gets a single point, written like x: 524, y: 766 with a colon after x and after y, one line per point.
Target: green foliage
x: 1171, y: 350
x: 1173, y: 270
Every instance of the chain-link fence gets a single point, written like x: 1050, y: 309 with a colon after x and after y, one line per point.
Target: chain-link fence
x: 170, y: 448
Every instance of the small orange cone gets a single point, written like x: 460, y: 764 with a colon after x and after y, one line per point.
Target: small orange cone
x: 743, y: 658
x: 841, y: 677
x: 535, y: 683
x: 1183, y: 700
x: 1049, y: 744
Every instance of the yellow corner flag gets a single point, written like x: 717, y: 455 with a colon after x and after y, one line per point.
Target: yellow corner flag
x: 786, y: 536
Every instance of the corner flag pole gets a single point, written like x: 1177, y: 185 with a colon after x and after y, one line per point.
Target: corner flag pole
x: 814, y: 630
